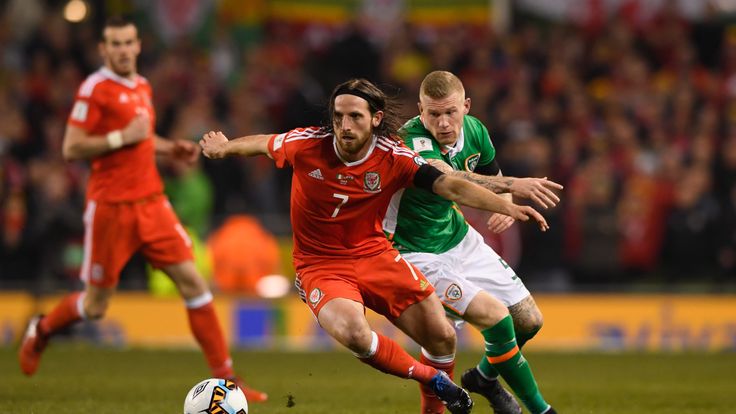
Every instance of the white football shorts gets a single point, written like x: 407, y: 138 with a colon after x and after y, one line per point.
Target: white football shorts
x: 461, y: 272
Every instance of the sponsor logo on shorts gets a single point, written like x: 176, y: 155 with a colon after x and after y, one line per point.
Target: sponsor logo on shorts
x: 453, y: 293
x: 372, y: 182
x: 315, y: 297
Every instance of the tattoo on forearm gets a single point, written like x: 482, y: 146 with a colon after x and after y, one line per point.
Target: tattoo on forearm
x: 497, y: 184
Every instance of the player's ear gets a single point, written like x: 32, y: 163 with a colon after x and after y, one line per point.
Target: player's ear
x: 466, y: 105
x: 377, y: 118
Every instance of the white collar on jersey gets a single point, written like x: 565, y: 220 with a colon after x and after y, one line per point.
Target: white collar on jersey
x: 109, y: 74
x: 360, y: 161
x: 459, y: 144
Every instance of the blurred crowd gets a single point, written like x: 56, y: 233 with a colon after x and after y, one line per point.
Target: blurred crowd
x: 635, y: 117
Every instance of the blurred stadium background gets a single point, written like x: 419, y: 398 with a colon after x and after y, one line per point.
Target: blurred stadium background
x: 631, y: 104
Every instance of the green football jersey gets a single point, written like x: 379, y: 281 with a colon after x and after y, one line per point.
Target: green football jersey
x: 420, y: 221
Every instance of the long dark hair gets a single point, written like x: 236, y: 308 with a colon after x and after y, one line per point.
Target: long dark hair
x: 377, y: 101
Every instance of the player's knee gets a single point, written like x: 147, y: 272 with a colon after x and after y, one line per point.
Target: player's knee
x: 191, y: 285
x: 536, y: 325
x: 187, y: 279
x: 357, y: 340
x: 532, y: 322
x: 449, y: 337
x: 443, y: 340
x: 528, y: 327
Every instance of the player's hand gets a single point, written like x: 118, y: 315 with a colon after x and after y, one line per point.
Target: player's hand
x: 523, y: 213
x: 138, y: 129
x: 498, y: 223
x: 538, y: 190
x: 213, y: 144
x: 185, y: 151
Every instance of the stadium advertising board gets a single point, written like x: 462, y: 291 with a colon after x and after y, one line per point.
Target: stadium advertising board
x: 572, y: 322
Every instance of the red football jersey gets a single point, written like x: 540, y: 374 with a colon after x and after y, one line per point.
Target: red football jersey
x: 337, y: 206
x: 105, y: 102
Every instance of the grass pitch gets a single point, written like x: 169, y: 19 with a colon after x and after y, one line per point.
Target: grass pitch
x: 82, y: 379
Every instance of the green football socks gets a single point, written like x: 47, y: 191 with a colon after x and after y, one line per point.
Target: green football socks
x: 503, y: 356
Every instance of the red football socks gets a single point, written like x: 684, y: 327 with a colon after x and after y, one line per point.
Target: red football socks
x: 392, y: 359
x: 206, y: 329
x: 430, y: 403
x: 64, y: 314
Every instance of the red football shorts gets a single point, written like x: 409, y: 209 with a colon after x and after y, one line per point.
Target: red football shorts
x: 114, y: 231
x: 385, y: 283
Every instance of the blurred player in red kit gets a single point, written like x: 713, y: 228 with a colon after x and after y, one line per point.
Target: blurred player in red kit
x: 112, y: 125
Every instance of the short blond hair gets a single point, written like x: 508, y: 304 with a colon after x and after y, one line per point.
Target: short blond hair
x: 440, y: 84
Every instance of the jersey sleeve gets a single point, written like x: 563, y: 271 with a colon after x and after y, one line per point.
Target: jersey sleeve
x: 278, y: 150
x: 284, y: 147
x: 407, y: 164
x: 487, y: 151
x: 86, y: 112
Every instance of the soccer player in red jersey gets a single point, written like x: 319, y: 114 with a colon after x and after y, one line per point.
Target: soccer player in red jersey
x: 344, y: 176
x: 111, y: 124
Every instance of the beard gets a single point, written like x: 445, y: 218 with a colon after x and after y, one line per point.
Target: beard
x: 123, y: 69
x: 353, y: 144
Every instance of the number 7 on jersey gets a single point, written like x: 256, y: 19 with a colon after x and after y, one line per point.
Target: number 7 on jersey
x: 343, y: 199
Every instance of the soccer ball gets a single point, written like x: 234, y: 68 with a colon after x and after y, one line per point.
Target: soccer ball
x: 215, y: 396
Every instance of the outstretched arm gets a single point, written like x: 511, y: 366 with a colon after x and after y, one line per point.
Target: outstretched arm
x: 216, y: 145
x: 472, y: 195
x: 538, y: 190
x: 78, y: 144
x: 177, y: 149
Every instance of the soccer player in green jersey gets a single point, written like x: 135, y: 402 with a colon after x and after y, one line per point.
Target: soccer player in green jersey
x: 473, y: 282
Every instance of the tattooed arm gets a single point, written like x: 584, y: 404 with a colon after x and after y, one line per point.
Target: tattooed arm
x: 538, y: 190
x: 497, y: 184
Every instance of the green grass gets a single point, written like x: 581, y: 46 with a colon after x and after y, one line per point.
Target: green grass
x: 83, y: 379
